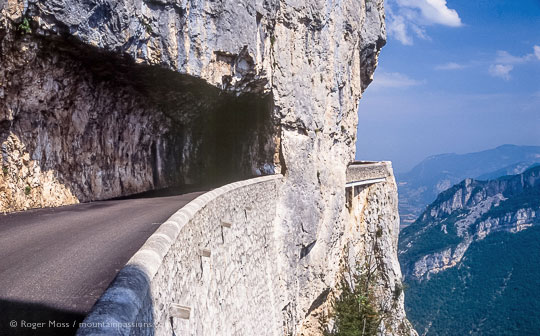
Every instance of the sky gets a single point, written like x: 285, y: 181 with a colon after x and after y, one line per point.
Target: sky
x: 456, y: 76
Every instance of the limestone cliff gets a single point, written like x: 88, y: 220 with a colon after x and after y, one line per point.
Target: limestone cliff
x: 367, y: 239
x: 103, y: 98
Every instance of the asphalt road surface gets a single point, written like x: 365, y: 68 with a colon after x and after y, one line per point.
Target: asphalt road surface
x: 55, y: 263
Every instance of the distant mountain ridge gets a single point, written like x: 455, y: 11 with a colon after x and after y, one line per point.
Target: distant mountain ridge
x: 470, y: 261
x: 467, y: 212
x: 513, y: 169
x: 421, y: 185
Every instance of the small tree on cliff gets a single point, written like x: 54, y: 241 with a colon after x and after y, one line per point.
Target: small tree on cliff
x: 354, y: 311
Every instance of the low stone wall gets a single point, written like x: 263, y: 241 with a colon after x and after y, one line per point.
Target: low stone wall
x: 361, y: 171
x: 209, y: 270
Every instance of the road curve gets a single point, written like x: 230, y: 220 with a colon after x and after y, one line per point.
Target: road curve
x: 56, y: 262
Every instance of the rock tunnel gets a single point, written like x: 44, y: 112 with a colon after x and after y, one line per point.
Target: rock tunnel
x: 81, y: 124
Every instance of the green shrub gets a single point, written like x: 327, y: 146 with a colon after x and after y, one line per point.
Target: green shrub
x: 24, y: 27
x: 398, y: 289
x: 146, y: 24
x: 354, y: 311
x: 27, y: 190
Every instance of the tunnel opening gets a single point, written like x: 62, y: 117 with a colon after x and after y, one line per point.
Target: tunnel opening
x: 77, y: 121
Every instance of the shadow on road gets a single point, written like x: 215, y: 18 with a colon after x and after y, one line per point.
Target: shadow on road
x: 22, y: 318
x: 172, y: 191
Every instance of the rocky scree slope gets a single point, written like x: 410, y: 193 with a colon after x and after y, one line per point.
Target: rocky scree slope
x: 106, y: 98
x: 468, y: 212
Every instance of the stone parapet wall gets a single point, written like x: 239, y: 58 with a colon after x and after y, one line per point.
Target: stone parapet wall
x: 361, y: 171
x: 214, y: 260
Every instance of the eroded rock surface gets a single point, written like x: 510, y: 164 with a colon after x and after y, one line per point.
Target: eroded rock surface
x: 80, y: 123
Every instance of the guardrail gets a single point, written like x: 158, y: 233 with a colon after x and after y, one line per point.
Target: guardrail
x: 367, y: 172
x: 206, y: 270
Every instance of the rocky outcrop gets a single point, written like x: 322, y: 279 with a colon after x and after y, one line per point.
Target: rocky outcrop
x: 468, y: 212
x: 107, y: 98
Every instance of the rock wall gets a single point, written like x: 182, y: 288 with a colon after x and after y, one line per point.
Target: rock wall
x: 294, y: 69
x: 306, y: 64
x: 68, y: 136
x: 79, y: 123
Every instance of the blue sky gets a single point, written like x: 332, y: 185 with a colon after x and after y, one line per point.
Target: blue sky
x: 455, y: 76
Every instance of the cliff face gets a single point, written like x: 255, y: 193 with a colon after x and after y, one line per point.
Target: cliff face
x: 82, y: 120
x: 106, y: 98
x: 369, y: 240
x: 180, y: 67
x: 465, y: 213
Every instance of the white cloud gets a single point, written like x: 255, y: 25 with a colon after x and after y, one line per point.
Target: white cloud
x: 433, y: 11
x: 450, y: 66
x: 394, y: 80
x: 504, y: 62
x: 420, y: 32
x: 501, y: 70
x: 410, y: 17
x: 507, y: 58
x: 398, y: 28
